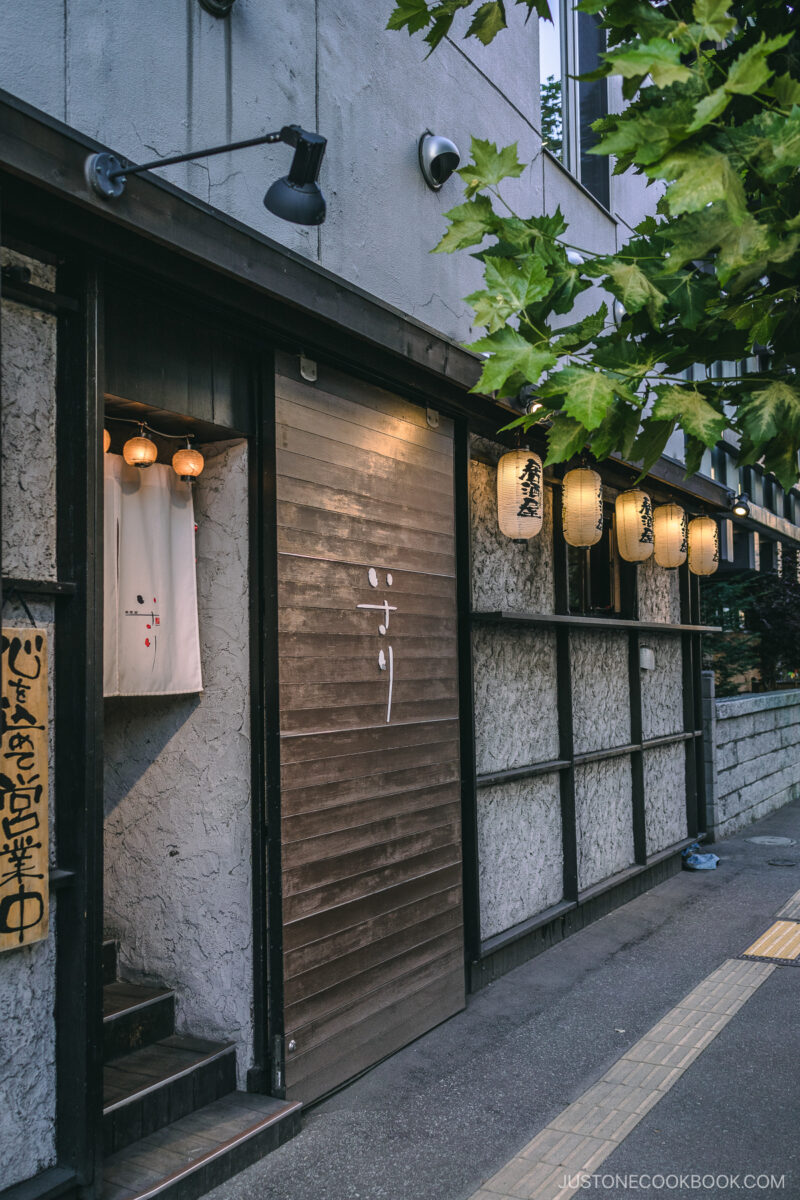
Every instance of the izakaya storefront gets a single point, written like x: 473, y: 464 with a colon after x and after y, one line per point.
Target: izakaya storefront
x: 326, y: 749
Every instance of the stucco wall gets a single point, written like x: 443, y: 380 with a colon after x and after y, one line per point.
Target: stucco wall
x: 506, y: 574
x: 658, y: 592
x: 516, y: 721
x: 665, y: 796
x: 603, y: 808
x: 601, y: 711
x: 177, y: 788
x: 662, y: 686
x: 752, y: 756
x: 514, y: 671
x: 27, y: 975
x: 519, y: 851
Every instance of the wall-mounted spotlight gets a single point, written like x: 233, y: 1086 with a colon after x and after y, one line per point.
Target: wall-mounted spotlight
x: 741, y: 506
x: 296, y: 197
x: 438, y: 158
x: 217, y: 8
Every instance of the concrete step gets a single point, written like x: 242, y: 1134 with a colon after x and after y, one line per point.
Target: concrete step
x: 196, y: 1153
x: 147, y: 1089
x: 135, y: 1016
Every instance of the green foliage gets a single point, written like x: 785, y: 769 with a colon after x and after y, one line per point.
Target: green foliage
x: 713, y: 115
x: 759, y: 646
x: 552, y: 115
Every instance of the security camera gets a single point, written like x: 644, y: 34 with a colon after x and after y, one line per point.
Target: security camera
x: 438, y: 158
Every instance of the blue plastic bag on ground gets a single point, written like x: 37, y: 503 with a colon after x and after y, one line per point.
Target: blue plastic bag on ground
x: 694, y: 859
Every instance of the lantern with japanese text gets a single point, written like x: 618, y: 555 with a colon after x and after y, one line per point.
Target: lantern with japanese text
x: 671, y: 534
x: 106, y: 441
x: 633, y: 510
x: 582, y: 507
x: 703, y: 546
x: 520, y: 494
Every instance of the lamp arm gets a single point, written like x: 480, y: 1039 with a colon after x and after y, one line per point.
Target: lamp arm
x: 265, y: 138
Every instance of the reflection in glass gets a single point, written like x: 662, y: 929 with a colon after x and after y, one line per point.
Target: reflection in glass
x: 551, y: 75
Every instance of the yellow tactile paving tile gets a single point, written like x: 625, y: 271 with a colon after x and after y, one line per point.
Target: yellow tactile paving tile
x: 581, y: 1137
x: 782, y: 940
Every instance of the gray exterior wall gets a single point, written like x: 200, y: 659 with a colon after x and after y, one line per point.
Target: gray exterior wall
x: 161, y: 77
x: 27, y: 975
x: 177, y: 793
x: 752, y: 746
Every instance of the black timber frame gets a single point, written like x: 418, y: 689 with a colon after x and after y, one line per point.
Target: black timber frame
x: 504, y: 951
x: 170, y: 238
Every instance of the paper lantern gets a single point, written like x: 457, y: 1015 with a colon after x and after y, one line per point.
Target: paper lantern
x: 582, y: 507
x: 670, y: 530
x: 520, y: 494
x: 106, y: 441
x: 140, y: 451
x: 188, y: 463
x: 634, y: 525
x: 703, y: 546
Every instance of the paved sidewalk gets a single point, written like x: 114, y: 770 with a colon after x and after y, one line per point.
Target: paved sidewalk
x: 443, y: 1116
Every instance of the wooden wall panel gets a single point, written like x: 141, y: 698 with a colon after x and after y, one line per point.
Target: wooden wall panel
x: 371, y: 836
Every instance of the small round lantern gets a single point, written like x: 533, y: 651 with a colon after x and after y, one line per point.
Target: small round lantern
x: 634, y: 525
x: 520, y: 494
x: 188, y: 463
x: 582, y: 507
x: 140, y: 451
x: 671, y: 534
x: 703, y: 546
x: 106, y: 441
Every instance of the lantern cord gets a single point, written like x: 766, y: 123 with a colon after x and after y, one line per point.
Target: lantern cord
x: 18, y: 596
x: 179, y: 437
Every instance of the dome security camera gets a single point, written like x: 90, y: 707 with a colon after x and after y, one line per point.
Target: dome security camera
x: 438, y: 158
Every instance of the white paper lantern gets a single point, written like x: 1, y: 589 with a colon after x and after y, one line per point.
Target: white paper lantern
x: 520, y: 494
x: 582, y: 507
x: 703, y: 546
x: 671, y: 533
x: 634, y: 525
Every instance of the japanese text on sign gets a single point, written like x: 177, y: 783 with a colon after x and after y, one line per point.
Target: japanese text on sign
x: 24, y: 838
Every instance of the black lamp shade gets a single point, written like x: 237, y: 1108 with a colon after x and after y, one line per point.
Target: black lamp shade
x: 302, y: 204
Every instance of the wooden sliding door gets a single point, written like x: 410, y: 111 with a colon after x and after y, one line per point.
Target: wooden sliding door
x: 371, y: 836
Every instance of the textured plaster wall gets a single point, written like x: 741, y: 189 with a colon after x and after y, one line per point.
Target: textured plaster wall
x: 27, y: 975
x: 603, y: 810
x: 601, y: 716
x: 506, y: 574
x: 665, y: 796
x: 177, y: 788
x: 662, y: 687
x: 514, y: 672
x: 659, y: 593
x: 752, y: 756
x: 519, y: 851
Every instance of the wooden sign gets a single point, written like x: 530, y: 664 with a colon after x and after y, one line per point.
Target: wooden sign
x: 24, y: 836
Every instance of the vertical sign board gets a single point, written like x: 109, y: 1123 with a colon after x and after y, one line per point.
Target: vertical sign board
x: 24, y: 837
x: 371, y: 832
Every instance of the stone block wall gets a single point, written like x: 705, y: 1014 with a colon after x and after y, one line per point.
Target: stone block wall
x: 752, y: 749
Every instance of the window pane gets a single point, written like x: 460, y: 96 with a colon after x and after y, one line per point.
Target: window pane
x: 593, y: 98
x: 551, y: 85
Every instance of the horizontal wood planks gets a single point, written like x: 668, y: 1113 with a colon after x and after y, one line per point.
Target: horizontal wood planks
x: 370, y: 831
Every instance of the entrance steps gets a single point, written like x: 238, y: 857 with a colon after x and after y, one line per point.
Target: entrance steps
x: 174, y: 1125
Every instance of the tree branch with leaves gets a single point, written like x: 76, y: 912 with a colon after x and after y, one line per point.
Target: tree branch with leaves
x: 713, y: 116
